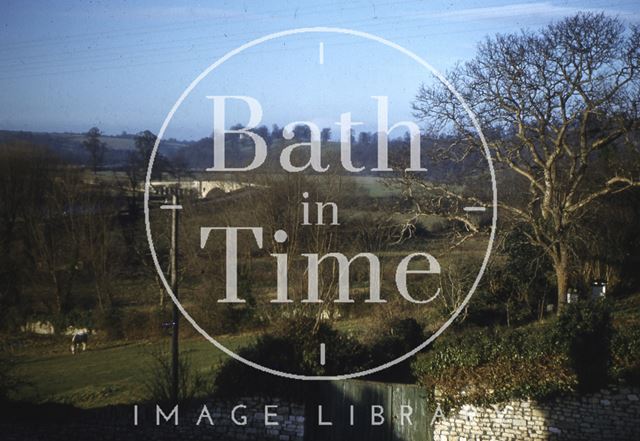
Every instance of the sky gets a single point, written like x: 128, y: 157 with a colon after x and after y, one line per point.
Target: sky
x: 122, y: 65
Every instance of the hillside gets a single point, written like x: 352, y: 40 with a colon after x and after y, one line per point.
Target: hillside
x: 69, y: 146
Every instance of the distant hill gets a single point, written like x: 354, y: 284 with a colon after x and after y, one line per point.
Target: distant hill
x: 69, y: 146
x: 198, y: 155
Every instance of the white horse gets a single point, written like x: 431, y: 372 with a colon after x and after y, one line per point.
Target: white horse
x: 80, y: 338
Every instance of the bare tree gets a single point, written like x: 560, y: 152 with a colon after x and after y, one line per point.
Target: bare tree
x: 277, y: 205
x: 136, y: 167
x: 95, y: 147
x: 548, y: 102
x: 25, y: 176
x: 54, y: 234
x: 99, y: 249
x: 453, y: 286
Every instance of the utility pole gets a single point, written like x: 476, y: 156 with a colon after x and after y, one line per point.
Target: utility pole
x: 175, y: 354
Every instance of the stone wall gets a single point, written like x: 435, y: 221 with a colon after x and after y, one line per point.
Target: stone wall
x: 65, y: 423
x: 611, y: 414
x: 608, y: 415
x: 282, y: 420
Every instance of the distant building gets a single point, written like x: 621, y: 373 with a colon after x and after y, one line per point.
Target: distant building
x: 572, y: 295
x: 598, y: 289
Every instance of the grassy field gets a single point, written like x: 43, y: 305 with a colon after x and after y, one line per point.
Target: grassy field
x: 112, y: 373
x: 115, y: 372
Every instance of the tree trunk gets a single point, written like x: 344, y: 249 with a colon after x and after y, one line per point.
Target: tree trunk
x: 99, y: 294
x: 57, y: 291
x: 561, y: 267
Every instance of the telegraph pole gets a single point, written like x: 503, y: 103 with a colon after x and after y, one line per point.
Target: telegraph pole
x: 175, y: 354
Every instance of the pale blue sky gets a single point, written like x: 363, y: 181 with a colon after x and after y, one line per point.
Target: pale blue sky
x: 120, y: 65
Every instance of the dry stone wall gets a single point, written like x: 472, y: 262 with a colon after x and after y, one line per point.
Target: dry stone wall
x: 609, y: 415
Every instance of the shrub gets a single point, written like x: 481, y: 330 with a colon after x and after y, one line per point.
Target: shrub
x: 625, y: 348
x: 292, y: 348
x: 110, y: 321
x: 76, y: 318
x: 135, y: 324
x: 516, y: 286
x: 483, y: 367
x: 228, y: 318
x: 403, y: 336
x: 585, y: 332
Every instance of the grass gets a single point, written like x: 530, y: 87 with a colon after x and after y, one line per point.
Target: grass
x: 111, y: 373
x: 107, y: 374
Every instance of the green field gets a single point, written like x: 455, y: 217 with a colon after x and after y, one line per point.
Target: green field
x: 112, y: 373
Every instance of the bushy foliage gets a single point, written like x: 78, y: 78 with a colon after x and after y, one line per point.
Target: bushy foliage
x: 585, y: 331
x: 483, y: 367
x: 228, y: 318
x: 625, y: 348
x: 110, y: 321
x: 517, y: 286
x: 77, y: 318
x: 144, y: 323
x: 403, y: 336
x: 292, y: 348
x: 573, y: 352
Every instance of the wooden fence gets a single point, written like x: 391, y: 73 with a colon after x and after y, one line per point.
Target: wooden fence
x: 400, y: 412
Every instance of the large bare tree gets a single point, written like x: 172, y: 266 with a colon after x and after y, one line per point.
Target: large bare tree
x: 548, y: 102
x: 95, y: 147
